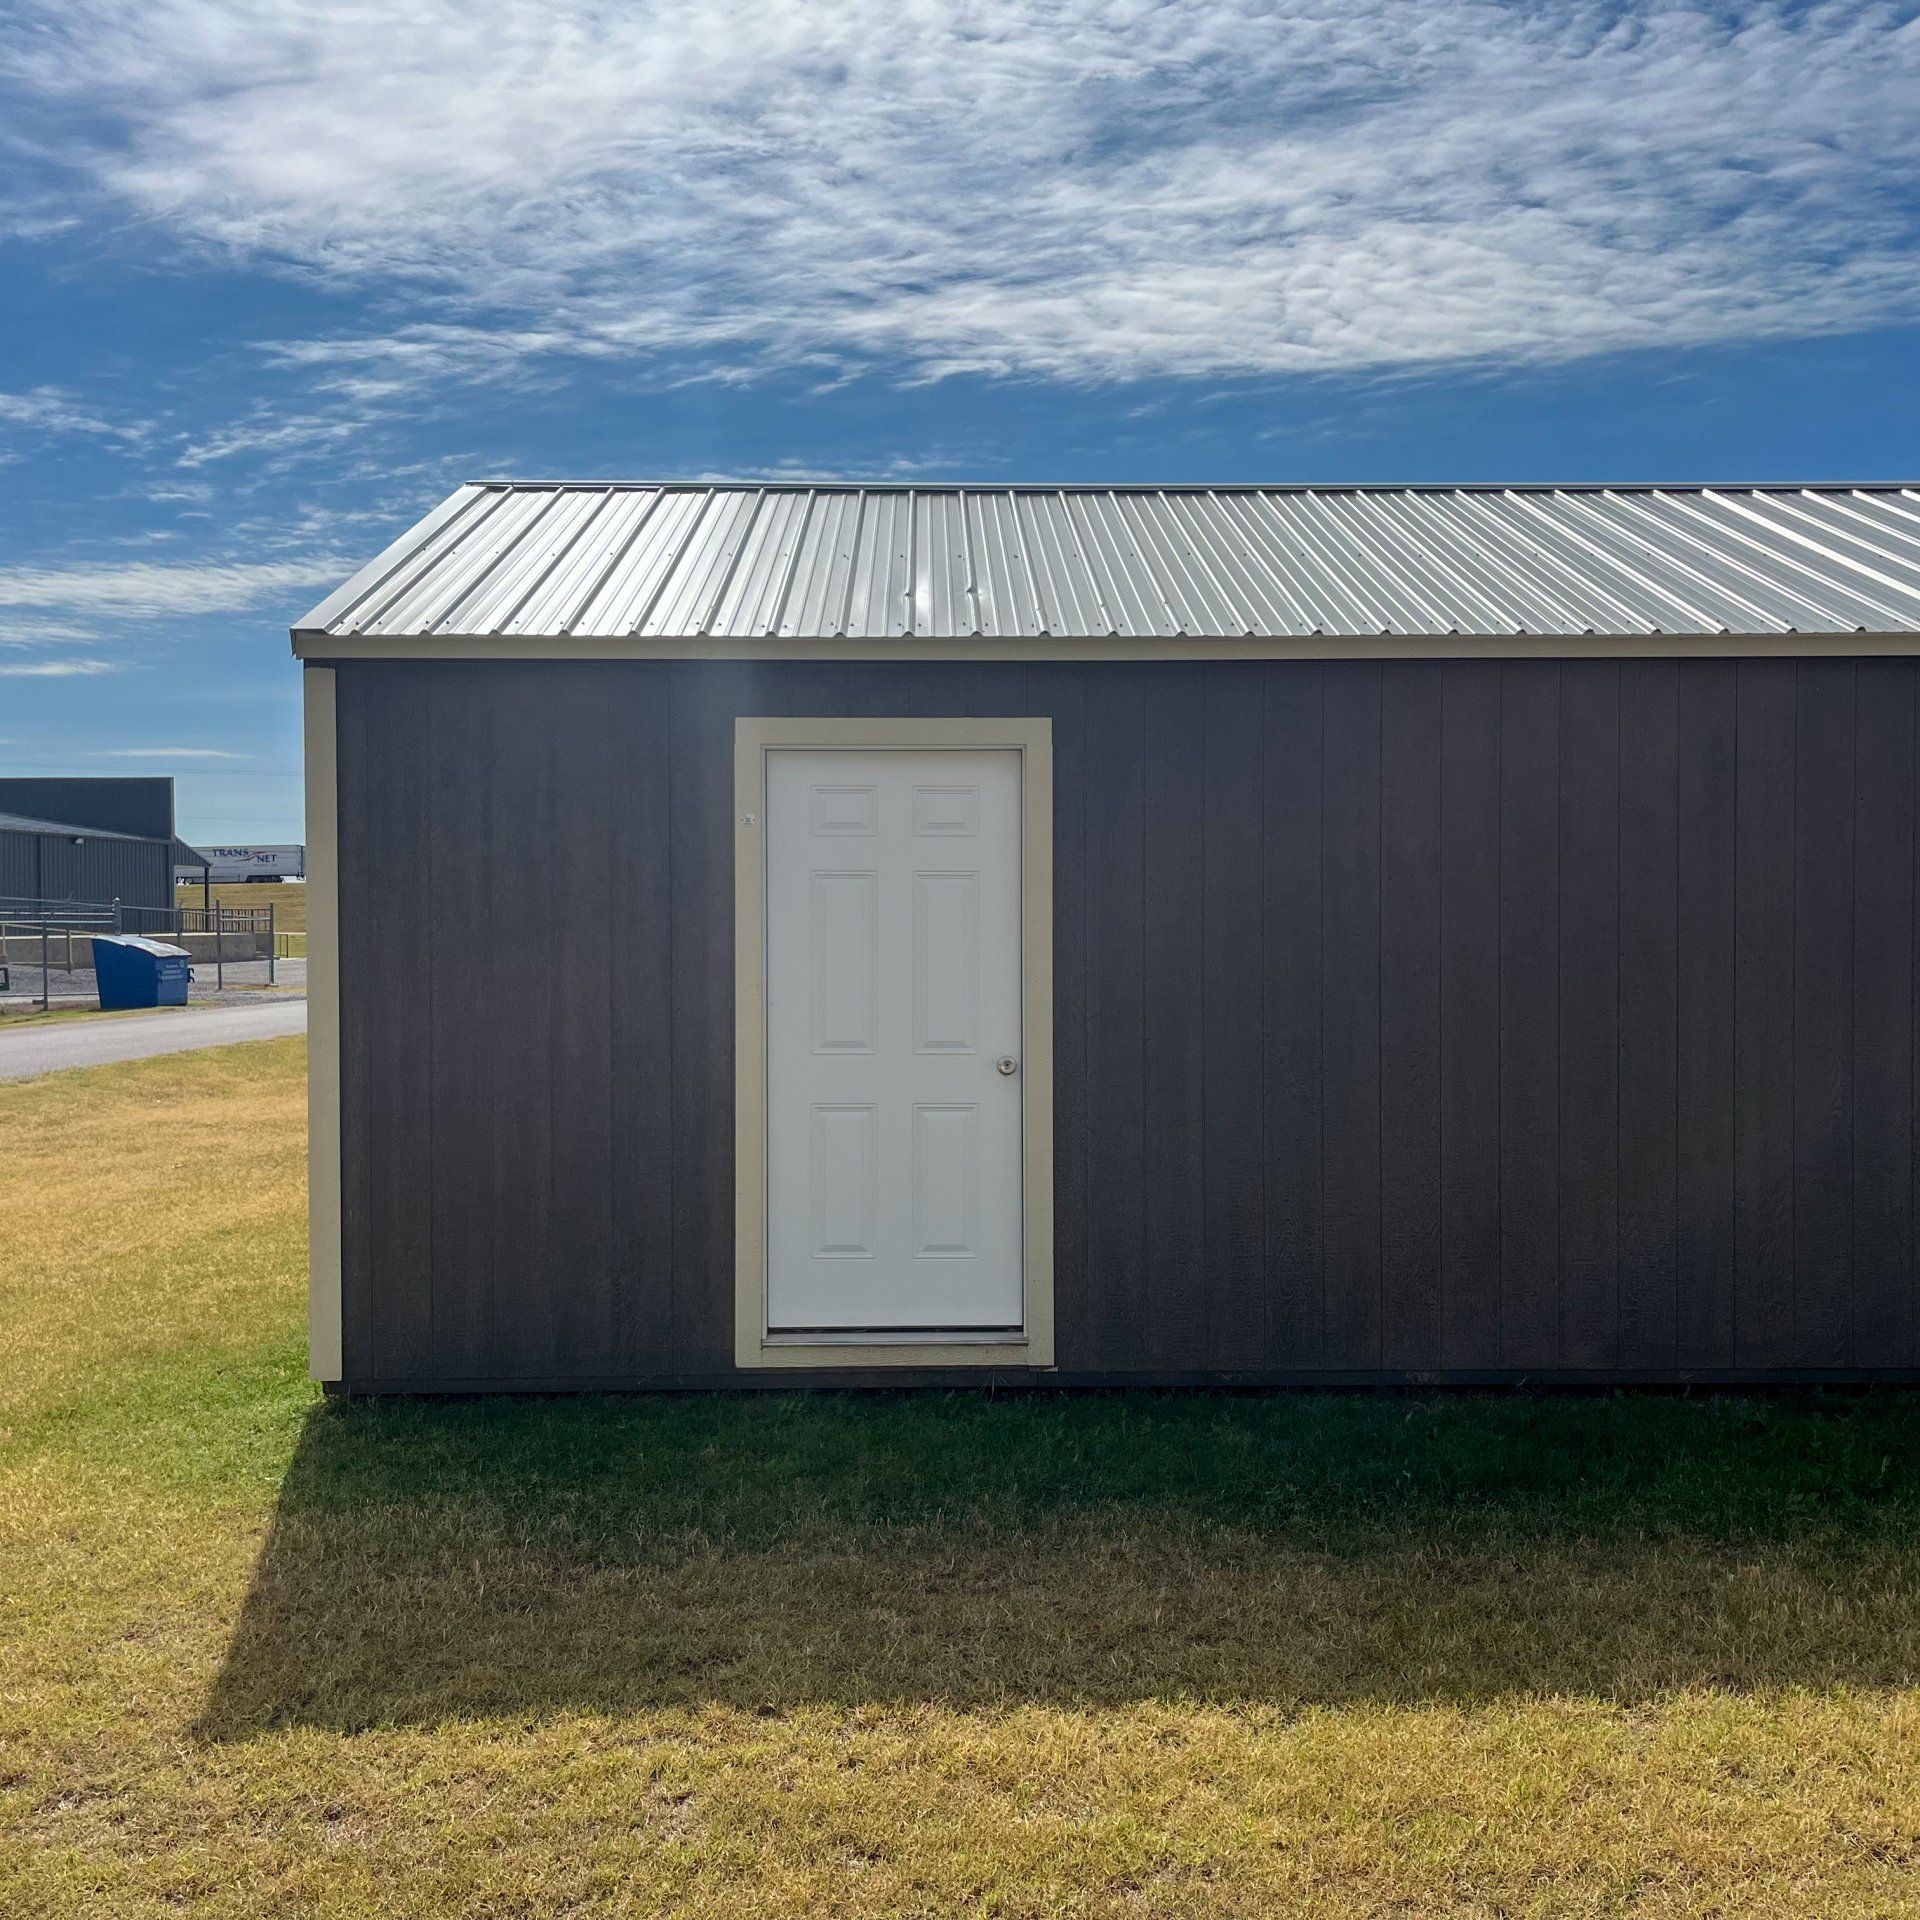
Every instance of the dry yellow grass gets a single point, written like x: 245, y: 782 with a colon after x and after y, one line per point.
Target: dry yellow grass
x: 289, y: 902
x: 1130, y: 1655
x: 145, y: 1206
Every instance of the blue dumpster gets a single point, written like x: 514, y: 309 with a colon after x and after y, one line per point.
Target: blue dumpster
x: 136, y: 972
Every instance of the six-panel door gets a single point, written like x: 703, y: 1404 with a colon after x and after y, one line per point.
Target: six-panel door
x: 893, y: 1040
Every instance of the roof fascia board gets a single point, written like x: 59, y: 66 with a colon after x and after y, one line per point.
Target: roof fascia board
x: 317, y: 647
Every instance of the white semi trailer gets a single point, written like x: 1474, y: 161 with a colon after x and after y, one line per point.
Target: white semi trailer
x: 228, y: 864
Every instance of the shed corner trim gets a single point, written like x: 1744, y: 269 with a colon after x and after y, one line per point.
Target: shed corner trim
x: 323, y: 1026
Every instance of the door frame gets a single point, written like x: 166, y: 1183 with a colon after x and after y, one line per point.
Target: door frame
x: 754, y: 737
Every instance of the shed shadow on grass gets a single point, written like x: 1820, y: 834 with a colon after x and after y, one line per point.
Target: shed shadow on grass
x: 429, y: 1561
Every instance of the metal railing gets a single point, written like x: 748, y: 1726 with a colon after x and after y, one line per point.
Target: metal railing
x: 46, y: 921
x: 224, y: 919
x: 157, y: 921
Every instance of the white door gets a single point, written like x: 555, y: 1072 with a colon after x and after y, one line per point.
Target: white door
x: 893, y: 1041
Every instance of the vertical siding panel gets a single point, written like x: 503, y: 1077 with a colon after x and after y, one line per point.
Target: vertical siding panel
x: 1115, y: 1022
x: 1883, y: 1015
x: 462, y: 909
x: 1173, y: 776
x: 1529, y: 1013
x: 1907, y: 1295
x: 1763, y: 1028
x: 1350, y: 1001
x: 394, y: 945
x: 1294, y: 729
x: 881, y: 688
x: 1706, y: 860
x: 519, y: 1014
x: 705, y: 698
x: 886, y: 687
x: 1410, y: 1012
x: 1589, y: 961
x: 825, y: 690
x: 1235, y: 1249
x: 1470, y: 1015
x: 582, y: 771
x: 1823, y: 1015
x: 944, y: 688
x: 19, y: 870
x: 640, y: 869
x: 1649, y: 1043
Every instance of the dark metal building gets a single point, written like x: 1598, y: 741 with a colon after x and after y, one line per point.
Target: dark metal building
x: 139, y: 805
x: 1445, y: 934
x: 55, y: 861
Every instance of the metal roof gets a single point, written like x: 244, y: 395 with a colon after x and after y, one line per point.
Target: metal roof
x: 25, y: 823
x: 831, y: 562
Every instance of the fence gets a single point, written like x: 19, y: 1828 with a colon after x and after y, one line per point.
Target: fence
x: 157, y: 921
x: 223, y: 919
x: 48, y: 921
x: 45, y: 921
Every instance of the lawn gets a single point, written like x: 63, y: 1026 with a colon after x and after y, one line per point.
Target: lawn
x: 887, y: 1656
x: 289, y: 902
x: 12, y: 1019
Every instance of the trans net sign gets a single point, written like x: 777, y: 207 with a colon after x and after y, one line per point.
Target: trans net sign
x: 228, y: 864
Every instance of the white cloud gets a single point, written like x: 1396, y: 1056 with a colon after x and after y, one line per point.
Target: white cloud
x: 368, y: 368
x: 167, y: 753
x: 897, y: 466
x: 55, y: 669
x: 49, y: 410
x: 1096, y: 189
x: 268, y: 434
x: 150, y: 589
x: 52, y: 413
x: 32, y: 630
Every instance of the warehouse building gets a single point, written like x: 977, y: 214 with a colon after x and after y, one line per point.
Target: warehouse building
x: 95, y: 842
x: 1071, y: 934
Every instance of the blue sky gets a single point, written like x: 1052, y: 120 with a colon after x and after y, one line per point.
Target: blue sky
x: 273, y: 277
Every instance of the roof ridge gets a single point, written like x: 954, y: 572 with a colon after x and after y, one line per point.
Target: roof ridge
x: 508, y: 483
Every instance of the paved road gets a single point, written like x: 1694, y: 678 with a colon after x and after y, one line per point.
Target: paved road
x: 97, y: 1043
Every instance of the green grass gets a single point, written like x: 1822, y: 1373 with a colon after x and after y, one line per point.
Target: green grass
x: 1125, y: 1654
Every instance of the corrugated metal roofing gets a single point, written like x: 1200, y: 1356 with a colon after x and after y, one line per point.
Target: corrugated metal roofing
x: 24, y: 823
x: 742, y: 562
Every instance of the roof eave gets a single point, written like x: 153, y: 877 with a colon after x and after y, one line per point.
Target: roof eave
x: 319, y: 646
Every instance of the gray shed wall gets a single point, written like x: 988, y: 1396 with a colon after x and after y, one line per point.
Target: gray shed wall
x: 1459, y: 1020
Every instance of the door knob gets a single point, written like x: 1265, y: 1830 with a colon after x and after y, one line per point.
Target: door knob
x: 1007, y: 1064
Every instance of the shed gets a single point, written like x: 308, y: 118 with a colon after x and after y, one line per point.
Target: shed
x: 1246, y: 935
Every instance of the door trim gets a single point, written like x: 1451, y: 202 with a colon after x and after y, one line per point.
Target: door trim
x: 754, y: 737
